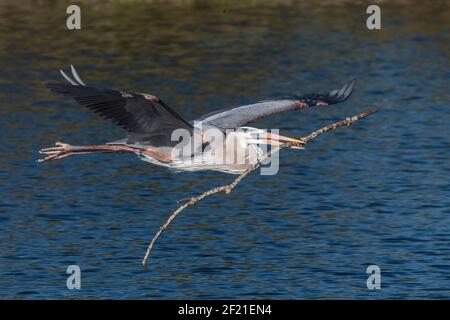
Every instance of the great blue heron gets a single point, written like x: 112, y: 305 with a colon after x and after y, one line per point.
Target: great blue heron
x: 217, y: 141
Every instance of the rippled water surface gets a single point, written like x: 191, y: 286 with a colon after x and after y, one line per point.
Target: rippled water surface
x: 374, y: 193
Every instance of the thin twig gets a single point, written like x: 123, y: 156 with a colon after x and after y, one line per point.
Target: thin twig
x: 229, y: 187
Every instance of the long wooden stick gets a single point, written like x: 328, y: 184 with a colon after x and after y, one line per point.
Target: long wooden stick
x: 229, y: 187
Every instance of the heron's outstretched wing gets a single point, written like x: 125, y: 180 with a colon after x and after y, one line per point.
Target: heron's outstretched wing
x: 146, y: 117
x: 241, y: 115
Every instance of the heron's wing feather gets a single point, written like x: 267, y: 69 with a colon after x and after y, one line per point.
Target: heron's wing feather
x: 146, y: 118
x: 238, y: 116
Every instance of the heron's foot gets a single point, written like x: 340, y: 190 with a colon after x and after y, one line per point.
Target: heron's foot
x: 61, y: 150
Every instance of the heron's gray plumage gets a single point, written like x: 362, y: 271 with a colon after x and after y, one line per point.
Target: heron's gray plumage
x: 241, y: 115
x: 146, y: 118
x: 150, y: 124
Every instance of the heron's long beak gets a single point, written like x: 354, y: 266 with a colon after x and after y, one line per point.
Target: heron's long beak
x: 277, y: 140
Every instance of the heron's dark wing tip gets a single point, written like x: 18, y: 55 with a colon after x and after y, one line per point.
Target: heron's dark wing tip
x: 340, y: 95
x: 60, y: 88
x: 55, y: 86
x: 349, y: 87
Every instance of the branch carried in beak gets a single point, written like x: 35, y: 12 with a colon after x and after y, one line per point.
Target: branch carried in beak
x: 277, y: 140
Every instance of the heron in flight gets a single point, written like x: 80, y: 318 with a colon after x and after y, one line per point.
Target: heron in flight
x: 218, y: 141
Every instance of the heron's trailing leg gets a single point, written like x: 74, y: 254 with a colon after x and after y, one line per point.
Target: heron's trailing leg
x: 62, y: 150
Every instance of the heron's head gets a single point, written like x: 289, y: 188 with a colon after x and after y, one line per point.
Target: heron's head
x: 262, y: 137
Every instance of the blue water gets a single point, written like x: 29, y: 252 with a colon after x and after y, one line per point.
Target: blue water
x: 374, y: 193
